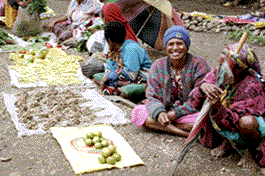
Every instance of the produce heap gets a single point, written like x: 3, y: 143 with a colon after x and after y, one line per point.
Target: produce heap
x: 52, y: 106
x: 108, y: 154
x: 36, y: 43
x: 81, y: 46
x: 4, y: 38
x: 52, y: 66
x: 37, y: 6
x: 207, y: 23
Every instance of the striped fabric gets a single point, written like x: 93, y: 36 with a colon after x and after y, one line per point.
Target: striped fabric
x: 159, y: 90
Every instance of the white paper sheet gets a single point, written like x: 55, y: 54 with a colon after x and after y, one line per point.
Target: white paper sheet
x: 110, y: 115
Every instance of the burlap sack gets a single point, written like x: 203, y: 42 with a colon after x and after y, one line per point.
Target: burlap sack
x: 26, y: 24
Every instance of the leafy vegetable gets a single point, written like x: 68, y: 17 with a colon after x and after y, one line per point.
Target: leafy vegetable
x: 37, y: 6
x: 236, y: 35
x: 3, y: 37
x: 81, y: 46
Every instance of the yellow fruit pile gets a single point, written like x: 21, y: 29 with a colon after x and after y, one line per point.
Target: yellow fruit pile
x: 108, y: 154
x: 52, y: 66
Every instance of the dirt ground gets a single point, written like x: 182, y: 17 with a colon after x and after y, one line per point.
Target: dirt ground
x: 42, y: 155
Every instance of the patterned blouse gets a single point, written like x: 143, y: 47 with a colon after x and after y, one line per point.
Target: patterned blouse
x: 160, y: 92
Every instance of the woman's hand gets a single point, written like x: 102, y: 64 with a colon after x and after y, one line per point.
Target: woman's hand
x: 211, y: 91
x: 103, y: 81
x: 163, y: 119
x: 171, y: 115
x: 22, y: 4
x: 101, y: 84
x: 51, y: 26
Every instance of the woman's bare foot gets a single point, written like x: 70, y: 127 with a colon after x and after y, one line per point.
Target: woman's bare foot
x: 247, y: 161
x: 221, y: 150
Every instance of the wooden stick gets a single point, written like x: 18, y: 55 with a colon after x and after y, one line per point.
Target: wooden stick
x: 241, y: 42
x: 150, y: 15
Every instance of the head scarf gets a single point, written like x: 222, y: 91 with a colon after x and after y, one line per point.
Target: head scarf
x: 113, y: 12
x: 246, y: 58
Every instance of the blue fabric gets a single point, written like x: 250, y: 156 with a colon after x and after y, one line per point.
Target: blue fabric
x: 261, y: 126
x: 177, y: 32
x: 113, y: 78
x: 134, y: 58
x: 125, y: 74
x: 236, y: 137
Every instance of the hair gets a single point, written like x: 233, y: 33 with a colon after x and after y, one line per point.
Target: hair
x: 115, y: 31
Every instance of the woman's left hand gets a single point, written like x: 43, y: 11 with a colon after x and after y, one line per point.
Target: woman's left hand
x: 214, y: 100
x: 22, y: 4
x: 171, y: 115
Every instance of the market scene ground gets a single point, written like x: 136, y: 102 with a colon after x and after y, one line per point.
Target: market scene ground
x: 42, y: 154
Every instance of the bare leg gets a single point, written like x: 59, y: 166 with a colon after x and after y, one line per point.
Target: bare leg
x: 152, y: 124
x: 247, y: 160
x: 184, y: 126
x: 249, y: 131
x: 122, y: 93
x: 222, y: 149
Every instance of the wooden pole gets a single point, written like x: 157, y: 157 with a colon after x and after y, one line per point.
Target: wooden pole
x: 150, y: 15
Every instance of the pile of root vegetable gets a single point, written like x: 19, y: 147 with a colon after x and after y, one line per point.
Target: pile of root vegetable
x: 53, y: 107
x: 197, y: 23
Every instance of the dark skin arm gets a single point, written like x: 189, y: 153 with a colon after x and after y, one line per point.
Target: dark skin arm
x: 23, y: 4
x: 63, y: 18
x: 212, y: 93
x: 163, y: 119
x: 103, y: 81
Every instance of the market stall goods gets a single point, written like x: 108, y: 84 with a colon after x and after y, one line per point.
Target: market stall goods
x: 82, y: 158
x: 109, y: 154
x: 52, y: 66
x: 51, y: 107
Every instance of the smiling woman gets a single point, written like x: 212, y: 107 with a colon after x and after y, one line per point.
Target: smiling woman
x: 170, y: 81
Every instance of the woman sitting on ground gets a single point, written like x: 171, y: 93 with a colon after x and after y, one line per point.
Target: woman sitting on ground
x: 170, y: 81
x: 78, y: 12
x: 127, y: 65
x: 237, y: 108
x: 112, y: 12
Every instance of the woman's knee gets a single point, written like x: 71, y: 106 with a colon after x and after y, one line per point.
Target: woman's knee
x: 248, y: 123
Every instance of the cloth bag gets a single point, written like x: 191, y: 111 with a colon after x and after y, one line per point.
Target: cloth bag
x: 27, y: 24
x: 92, y: 67
x: 97, y: 43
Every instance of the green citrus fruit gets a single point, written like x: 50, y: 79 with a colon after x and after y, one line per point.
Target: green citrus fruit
x: 105, y: 143
x: 88, y: 142
x: 102, y: 139
x: 96, y: 139
x: 90, y: 135
x: 106, y: 152
x: 112, y: 148
x: 98, y: 145
x: 111, y: 160
x: 101, y: 159
x: 117, y: 156
x: 98, y: 133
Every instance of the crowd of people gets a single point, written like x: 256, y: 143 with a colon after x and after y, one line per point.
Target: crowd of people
x: 177, y: 85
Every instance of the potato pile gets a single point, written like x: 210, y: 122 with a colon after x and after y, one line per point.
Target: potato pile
x: 52, y: 66
x: 108, y: 154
